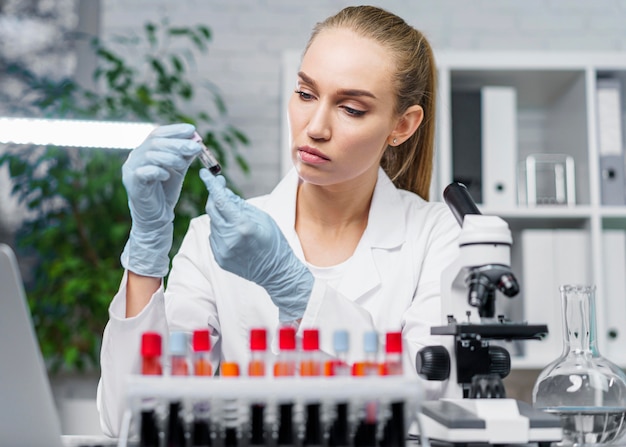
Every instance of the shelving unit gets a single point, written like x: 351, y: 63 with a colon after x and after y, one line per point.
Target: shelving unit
x: 556, y: 113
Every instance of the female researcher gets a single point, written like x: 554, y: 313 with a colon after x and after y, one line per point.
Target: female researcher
x: 346, y: 240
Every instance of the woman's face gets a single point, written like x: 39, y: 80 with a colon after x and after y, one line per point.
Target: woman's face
x: 342, y: 112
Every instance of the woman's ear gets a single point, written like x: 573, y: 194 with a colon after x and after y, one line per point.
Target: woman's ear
x: 407, y: 125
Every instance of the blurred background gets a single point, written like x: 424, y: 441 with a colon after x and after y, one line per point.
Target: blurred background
x: 216, y: 63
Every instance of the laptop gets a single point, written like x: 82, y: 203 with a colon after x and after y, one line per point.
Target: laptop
x: 28, y: 415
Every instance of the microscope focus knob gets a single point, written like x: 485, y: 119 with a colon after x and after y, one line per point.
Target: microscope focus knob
x: 433, y: 363
x: 500, y: 361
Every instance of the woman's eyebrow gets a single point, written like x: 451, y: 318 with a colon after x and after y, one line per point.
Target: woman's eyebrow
x: 342, y: 92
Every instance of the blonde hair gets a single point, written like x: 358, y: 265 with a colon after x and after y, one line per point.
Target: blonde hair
x: 410, y: 164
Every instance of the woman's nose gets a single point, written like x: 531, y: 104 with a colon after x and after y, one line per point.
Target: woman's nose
x: 319, y: 126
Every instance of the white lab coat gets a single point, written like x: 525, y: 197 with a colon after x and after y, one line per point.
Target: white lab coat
x: 392, y: 282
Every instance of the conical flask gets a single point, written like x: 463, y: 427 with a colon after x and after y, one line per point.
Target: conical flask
x: 585, y: 389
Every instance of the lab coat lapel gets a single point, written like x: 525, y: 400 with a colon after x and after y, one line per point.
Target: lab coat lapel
x: 281, y: 205
x: 385, y: 231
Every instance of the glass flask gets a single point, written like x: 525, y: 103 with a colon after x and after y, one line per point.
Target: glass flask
x: 585, y: 389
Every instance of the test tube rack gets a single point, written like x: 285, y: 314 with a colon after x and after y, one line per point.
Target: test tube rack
x: 220, y: 392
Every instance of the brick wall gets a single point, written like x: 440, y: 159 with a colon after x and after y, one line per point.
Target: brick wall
x: 250, y: 36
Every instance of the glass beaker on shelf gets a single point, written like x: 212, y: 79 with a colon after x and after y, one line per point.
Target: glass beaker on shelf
x: 584, y: 388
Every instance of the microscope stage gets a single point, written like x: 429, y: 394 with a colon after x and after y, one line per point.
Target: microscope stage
x: 499, y: 331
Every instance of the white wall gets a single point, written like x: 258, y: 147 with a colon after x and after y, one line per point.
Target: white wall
x: 250, y: 36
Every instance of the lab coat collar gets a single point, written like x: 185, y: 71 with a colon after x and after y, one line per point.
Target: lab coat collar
x: 386, y: 224
x: 385, y: 230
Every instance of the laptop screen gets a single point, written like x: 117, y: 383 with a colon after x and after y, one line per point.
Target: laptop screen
x: 28, y: 414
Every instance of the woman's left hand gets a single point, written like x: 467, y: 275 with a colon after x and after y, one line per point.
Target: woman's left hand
x: 246, y: 241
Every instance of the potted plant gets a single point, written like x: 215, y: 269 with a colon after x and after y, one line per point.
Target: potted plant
x: 78, y: 218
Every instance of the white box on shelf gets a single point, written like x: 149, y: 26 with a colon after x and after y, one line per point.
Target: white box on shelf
x: 499, y: 146
x: 551, y: 258
x: 614, y: 248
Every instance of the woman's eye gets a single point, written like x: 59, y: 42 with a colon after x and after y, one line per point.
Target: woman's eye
x: 353, y: 112
x: 304, y: 95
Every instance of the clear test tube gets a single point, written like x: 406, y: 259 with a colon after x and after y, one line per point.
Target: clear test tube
x: 179, y: 366
x: 206, y: 156
x: 339, y: 420
x: 366, y: 432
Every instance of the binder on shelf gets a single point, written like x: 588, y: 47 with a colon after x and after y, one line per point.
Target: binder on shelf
x: 467, y: 140
x: 551, y: 258
x: 499, y: 146
x: 610, y: 142
x: 614, y: 249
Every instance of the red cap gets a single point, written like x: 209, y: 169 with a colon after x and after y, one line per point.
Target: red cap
x: 394, y: 342
x: 200, y: 340
x: 287, y: 338
x: 150, y: 344
x: 310, y: 339
x: 258, y: 339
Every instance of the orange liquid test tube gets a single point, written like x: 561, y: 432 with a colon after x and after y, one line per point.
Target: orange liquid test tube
x: 394, y: 429
x: 284, y: 366
x: 258, y: 351
x: 201, y: 425
x: 151, y: 349
x: 311, y: 366
x: 201, y: 345
x: 256, y: 368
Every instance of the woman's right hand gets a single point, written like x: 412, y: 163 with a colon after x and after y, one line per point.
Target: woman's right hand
x: 153, y: 177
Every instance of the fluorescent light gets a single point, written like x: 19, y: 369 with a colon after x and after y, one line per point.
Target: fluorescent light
x: 73, y: 133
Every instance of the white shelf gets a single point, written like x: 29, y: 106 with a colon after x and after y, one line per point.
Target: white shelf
x: 556, y: 114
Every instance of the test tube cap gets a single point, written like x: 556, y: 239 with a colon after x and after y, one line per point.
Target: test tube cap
x: 258, y: 339
x: 201, y: 340
x: 341, y: 340
x: 393, y: 343
x: 287, y: 338
x: 179, y: 343
x: 151, y: 343
x: 370, y: 342
x: 310, y: 339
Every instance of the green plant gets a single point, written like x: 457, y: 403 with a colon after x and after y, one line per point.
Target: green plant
x: 78, y: 216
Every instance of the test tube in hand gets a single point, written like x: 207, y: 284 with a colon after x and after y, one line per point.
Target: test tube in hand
x: 206, y: 156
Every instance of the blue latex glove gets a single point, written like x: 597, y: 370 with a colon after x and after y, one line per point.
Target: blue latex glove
x: 153, y: 177
x: 247, y: 242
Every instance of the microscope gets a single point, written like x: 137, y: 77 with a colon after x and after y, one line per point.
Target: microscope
x: 474, y: 407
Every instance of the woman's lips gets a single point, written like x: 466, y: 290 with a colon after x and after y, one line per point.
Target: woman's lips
x: 311, y: 155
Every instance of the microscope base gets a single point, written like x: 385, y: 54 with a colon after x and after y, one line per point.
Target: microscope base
x: 490, y: 421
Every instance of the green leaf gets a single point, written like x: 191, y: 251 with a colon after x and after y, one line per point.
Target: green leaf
x: 150, y: 29
x: 204, y: 31
x: 179, y: 67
